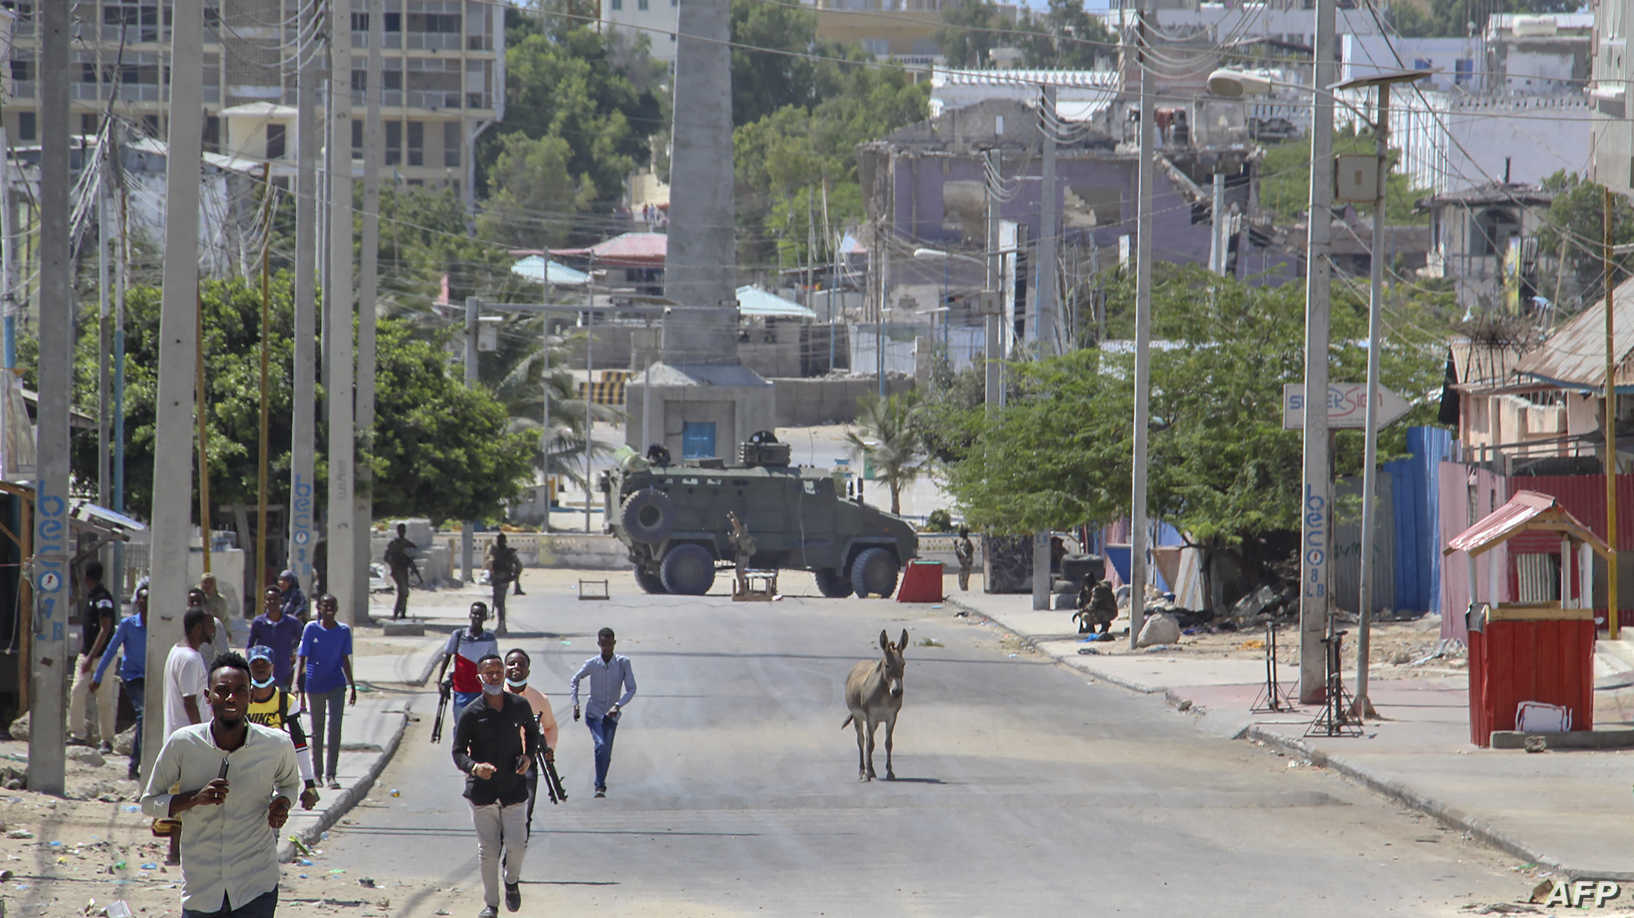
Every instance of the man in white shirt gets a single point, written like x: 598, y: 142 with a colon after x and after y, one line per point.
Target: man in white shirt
x: 234, y: 784
x: 186, y: 678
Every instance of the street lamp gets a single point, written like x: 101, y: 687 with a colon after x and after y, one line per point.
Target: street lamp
x: 1375, y: 306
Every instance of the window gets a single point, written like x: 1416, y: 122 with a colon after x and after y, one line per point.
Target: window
x: 360, y: 81
x: 394, y: 22
x: 151, y: 124
x: 360, y: 22
x: 212, y: 134
x: 357, y: 139
x: 416, y: 143
x: 87, y: 124
x: 452, y: 141
x: 275, y: 141
x: 641, y: 5
x: 617, y: 5
x: 25, y: 126
x: 394, y: 142
x: 22, y: 70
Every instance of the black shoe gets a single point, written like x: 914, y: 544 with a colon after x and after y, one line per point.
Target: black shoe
x: 488, y: 912
x: 513, y: 896
x: 601, y: 792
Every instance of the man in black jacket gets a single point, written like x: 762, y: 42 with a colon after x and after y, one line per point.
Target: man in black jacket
x: 495, y: 740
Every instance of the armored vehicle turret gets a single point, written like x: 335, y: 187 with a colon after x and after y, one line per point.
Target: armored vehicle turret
x: 673, y: 519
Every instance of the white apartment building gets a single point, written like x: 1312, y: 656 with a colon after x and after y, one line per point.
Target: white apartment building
x: 443, y: 78
x: 654, y: 19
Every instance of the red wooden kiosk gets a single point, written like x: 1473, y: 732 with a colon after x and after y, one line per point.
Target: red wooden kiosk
x: 1537, y: 651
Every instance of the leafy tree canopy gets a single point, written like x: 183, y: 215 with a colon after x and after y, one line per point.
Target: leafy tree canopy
x: 1065, y: 37
x: 1285, y: 179
x: 1457, y: 18
x: 1571, y: 240
x: 441, y: 450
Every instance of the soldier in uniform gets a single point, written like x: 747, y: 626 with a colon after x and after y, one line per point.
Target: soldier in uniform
x: 1096, y: 607
x: 503, y: 566
x: 743, y: 548
x: 400, y: 558
x: 966, y: 553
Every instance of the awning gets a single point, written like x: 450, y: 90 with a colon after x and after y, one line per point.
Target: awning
x: 757, y: 303
x: 1527, y: 511
x: 540, y: 270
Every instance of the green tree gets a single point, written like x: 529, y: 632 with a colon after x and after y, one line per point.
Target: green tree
x: 889, y: 441
x: 969, y: 30
x: 1220, y: 467
x: 531, y: 191
x: 574, y: 83
x: 1459, y: 18
x: 440, y: 449
x: 1285, y: 180
x: 1571, y: 239
x: 771, y: 62
x: 1065, y: 38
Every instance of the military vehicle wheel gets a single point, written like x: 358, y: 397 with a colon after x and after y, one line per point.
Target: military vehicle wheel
x: 688, y: 570
x: 652, y: 583
x: 874, y: 571
x: 647, y: 515
x: 832, y: 583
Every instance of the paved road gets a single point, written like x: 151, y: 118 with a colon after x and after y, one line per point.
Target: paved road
x: 1020, y: 787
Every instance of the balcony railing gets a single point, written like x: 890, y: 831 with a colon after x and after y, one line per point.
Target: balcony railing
x: 432, y: 41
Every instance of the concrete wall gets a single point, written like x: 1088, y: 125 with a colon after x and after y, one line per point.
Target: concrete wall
x: 809, y: 402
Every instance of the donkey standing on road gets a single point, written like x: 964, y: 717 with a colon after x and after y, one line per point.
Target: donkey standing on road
x: 873, y: 692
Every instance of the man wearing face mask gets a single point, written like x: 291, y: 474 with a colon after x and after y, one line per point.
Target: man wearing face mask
x: 269, y: 707
x: 495, y: 740
x: 517, y: 667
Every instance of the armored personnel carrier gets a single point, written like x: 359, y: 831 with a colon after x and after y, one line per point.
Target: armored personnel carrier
x: 673, y: 519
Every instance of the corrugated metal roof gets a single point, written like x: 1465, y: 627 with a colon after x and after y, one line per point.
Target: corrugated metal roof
x: 1094, y: 79
x: 625, y: 250
x: 1575, y: 356
x: 1527, y: 511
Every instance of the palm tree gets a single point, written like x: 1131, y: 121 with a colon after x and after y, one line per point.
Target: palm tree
x: 889, y: 441
x: 518, y: 375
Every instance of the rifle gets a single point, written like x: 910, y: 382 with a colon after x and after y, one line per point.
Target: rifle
x: 553, y: 781
x: 442, y: 708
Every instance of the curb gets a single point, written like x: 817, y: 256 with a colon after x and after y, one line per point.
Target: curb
x: 1406, y: 796
x: 1392, y: 790
x: 348, y: 797
x: 1029, y: 642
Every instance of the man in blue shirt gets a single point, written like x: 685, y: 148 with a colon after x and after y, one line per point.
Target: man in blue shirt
x: 323, y: 670
x: 131, y: 636
x: 281, y: 633
x: 608, y: 674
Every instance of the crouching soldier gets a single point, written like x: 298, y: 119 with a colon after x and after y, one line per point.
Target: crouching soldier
x: 1096, y: 607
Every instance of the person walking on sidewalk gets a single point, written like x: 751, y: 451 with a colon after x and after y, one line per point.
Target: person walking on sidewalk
x: 517, y: 666
x: 495, y: 741
x: 323, y: 674
x: 965, y: 552
x: 231, y: 783
x: 502, y: 565
x: 609, y: 674
x: 90, y: 713
x: 131, y: 636
x: 464, y: 648
x: 269, y: 707
x: 281, y: 634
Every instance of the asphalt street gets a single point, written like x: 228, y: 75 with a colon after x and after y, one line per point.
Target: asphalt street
x: 1020, y: 787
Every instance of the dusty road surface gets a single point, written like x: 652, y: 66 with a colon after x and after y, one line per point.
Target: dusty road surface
x: 734, y: 791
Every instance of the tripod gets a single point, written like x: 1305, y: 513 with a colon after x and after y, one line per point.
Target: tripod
x: 1334, y: 718
x: 1271, y: 696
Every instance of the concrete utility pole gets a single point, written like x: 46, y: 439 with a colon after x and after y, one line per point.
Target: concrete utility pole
x: 1316, y: 510
x: 1045, y: 317
x: 467, y: 548
x: 367, y: 287
x: 1217, y: 238
x: 173, y: 425
x: 51, y: 659
x: 342, y: 371
x: 303, y: 426
x: 994, y: 297
x: 1143, y: 345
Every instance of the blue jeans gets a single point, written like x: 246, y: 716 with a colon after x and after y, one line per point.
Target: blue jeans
x: 601, y: 733
x: 133, y: 692
x: 328, y: 709
x: 262, y: 906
